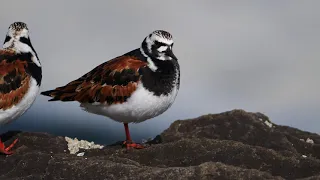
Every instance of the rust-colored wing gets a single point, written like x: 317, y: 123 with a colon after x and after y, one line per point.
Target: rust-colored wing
x: 111, y: 82
x: 14, y: 80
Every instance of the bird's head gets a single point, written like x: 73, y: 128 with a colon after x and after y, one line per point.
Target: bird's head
x: 18, y: 39
x: 159, y: 45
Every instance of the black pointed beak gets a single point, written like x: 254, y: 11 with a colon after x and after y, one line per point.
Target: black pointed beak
x: 170, y: 54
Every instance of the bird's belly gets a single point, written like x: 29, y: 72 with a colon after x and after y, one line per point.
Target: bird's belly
x: 17, y: 110
x: 142, y: 105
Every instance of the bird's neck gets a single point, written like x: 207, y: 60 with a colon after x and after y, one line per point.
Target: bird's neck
x: 22, y: 47
x: 24, y: 50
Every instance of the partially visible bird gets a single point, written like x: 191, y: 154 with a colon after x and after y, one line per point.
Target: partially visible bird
x: 20, y: 76
x: 131, y: 88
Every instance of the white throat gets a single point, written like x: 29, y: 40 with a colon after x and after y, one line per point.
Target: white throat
x: 151, y: 64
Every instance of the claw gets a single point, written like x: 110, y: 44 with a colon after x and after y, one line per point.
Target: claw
x: 6, y: 150
x: 130, y: 145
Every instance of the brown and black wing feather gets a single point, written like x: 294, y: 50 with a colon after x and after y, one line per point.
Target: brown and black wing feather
x: 14, y: 78
x: 111, y: 82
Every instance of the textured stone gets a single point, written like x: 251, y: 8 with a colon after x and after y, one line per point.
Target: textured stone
x: 230, y: 145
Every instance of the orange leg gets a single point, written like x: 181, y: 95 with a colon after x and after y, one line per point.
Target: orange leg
x: 6, y: 150
x: 129, y: 143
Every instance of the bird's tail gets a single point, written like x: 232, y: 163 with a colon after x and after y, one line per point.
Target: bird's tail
x: 64, y: 93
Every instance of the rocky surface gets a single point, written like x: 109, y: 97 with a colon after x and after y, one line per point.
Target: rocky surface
x: 230, y: 145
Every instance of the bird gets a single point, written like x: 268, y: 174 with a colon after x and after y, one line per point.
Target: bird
x: 131, y: 88
x: 20, y: 76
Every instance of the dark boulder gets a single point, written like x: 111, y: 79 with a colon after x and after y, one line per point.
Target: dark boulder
x: 230, y: 145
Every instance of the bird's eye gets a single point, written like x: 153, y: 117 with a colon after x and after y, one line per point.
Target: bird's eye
x: 159, y: 44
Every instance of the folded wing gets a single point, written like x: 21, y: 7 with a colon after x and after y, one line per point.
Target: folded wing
x: 111, y: 82
x: 14, y: 80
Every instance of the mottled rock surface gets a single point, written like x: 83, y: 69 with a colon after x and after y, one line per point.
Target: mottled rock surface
x: 230, y: 145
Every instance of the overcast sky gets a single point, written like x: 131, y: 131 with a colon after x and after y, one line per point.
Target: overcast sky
x: 252, y: 55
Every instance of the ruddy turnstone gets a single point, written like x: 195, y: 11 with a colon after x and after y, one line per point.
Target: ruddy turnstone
x: 131, y: 88
x: 20, y: 76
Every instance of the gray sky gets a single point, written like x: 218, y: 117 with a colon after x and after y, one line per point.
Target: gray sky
x: 253, y: 55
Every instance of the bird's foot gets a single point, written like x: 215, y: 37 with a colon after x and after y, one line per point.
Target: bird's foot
x: 130, y: 144
x: 6, y: 150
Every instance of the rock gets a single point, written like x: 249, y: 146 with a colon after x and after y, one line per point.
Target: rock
x: 230, y: 145
x: 241, y: 126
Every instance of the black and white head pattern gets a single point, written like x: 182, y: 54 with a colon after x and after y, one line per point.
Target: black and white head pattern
x: 158, y: 45
x: 18, y: 39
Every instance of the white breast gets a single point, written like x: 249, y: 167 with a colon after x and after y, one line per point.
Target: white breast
x: 142, y: 105
x: 14, y: 112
